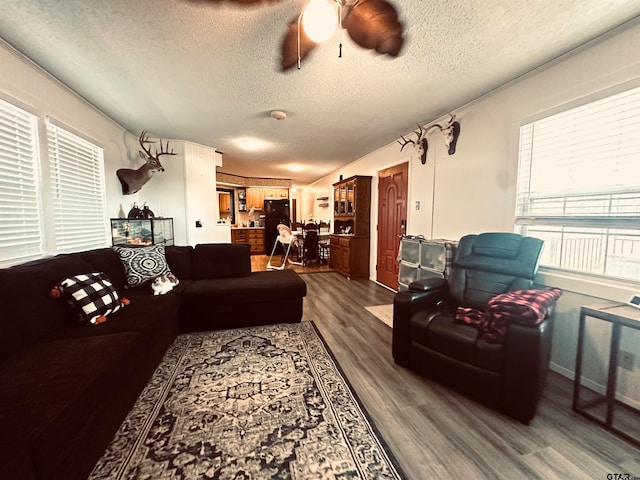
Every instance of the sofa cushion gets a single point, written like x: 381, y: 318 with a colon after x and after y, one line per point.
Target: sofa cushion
x: 10, y: 337
x: 56, y: 389
x: 91, y: 296
x: 258, y: 287
x: 107, y: 261
x: 221, y: 260
x: 142, y: 264
x: 462, y: 342
x: 179, y: 259
x: 25, y: 294
x: 147, y: 313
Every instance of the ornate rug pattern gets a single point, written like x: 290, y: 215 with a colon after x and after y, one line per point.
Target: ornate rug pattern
x: 254, y: 403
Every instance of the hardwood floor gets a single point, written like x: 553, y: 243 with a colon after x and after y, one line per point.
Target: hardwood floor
x: 259, y: 263
x: 436, y: 433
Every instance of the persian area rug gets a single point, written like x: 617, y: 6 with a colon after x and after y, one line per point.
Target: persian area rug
x: 384, y: 313
x: 253, y: 403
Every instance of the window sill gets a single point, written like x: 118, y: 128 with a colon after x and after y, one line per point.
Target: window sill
x: 591, y: 285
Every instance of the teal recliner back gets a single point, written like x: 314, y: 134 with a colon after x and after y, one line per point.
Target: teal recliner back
x: 488, y: 264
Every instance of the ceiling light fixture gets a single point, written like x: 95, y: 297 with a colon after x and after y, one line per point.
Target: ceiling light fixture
x: 251, y: 144
x: 319, y: 19
x: 278, y: 114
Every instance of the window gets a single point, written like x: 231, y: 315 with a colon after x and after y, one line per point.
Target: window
x: 52, y: 201
x: 20, y: 225
x: 77, y: 189
x: 579, y: 186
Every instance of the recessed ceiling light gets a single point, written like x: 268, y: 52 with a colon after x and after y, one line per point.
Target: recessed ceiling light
x: 278, y: 114
x: 295, y: 168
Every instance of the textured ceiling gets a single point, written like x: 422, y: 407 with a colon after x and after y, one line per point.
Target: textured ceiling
x: 209, y: 73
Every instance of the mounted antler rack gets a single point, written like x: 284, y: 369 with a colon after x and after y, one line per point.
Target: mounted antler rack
x: 451, y: 133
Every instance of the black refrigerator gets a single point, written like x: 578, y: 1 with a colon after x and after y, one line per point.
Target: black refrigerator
x: 275, y: 212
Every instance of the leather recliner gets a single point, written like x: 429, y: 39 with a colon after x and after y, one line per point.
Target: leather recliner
x: 508, y: 376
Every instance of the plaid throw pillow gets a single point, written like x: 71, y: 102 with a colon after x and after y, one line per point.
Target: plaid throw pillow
x: 142, y: 264
x: 91, y: 296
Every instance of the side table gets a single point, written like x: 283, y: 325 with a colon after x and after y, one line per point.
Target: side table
x: 606, y: 409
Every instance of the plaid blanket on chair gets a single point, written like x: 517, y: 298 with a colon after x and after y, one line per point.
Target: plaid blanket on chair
x: 526, y: 307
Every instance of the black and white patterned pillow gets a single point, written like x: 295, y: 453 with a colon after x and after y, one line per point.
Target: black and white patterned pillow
x: 92, y: 296
x: 142, y: 264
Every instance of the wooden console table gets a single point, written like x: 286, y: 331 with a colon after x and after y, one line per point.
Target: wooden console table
x: 606, y: 409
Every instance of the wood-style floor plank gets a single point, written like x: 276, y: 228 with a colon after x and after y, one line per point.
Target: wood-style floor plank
x: 436, y: 433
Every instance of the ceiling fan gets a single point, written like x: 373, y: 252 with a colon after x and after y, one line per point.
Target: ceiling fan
x: 371, y: 24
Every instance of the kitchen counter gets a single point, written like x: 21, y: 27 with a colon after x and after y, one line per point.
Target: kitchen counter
x: 247, y: 228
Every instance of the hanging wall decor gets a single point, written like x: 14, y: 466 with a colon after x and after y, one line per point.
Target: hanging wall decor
x: 451, y: 133
x: 133, y: 180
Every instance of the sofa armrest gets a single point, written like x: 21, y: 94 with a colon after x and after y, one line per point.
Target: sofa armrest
x: 526, y: 363
x: 405, y: 305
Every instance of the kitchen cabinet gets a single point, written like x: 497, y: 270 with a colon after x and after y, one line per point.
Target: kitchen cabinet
x: 257, y: 195
x: 253, y: 236
x: 224, y: 202
x: 255, y: 198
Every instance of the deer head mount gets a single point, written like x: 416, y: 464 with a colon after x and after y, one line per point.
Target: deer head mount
x: 421, y: 145
x: 451, y: 133
x: 133, y: 180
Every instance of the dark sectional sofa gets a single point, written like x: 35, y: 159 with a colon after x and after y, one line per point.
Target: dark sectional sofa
x: 66, y: 387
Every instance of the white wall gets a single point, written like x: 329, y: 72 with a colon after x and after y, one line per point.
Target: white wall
x: 167, y: 194
x: 474, y: 189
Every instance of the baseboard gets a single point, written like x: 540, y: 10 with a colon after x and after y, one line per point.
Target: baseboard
x: 590, y: 384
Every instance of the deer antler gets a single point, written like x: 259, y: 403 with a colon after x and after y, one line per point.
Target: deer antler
x: 164, y: 149
x: 404, y: 144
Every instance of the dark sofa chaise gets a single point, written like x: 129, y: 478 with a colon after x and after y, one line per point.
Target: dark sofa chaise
x: 65, y: 387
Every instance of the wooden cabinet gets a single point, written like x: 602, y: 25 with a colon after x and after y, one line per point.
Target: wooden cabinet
x: 224, y: 202
x: 255, y: 198
x: 349, y: 245
x: 257, y: 195
x: 352, y: 206
x: 253, y: 236
x: 349, y: 255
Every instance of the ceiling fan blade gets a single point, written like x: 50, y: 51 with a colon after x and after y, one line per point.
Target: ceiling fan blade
x: 373, y: 24
x: 243, y: 2
x: 289, y: 58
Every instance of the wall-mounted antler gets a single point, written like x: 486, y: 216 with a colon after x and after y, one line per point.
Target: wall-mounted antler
x: 420, y: 144
x: 133, y: 180
x: 451, y: 133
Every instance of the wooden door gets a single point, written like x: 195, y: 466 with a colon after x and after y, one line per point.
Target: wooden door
x: 393, y: 185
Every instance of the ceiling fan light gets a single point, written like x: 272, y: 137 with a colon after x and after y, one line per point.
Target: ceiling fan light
x: 319, y: 20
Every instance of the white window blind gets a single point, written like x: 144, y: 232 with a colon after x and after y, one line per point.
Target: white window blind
x: 579, y: 186
x: 20, y: 232
x: 77, y: 185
